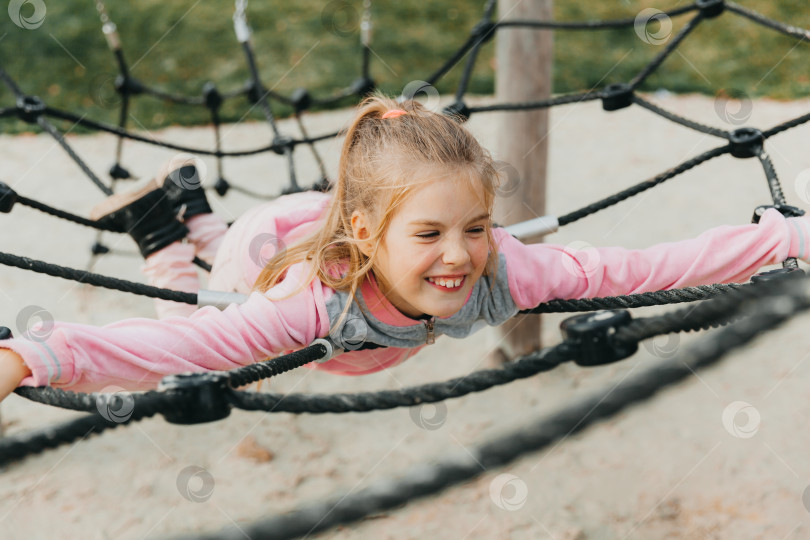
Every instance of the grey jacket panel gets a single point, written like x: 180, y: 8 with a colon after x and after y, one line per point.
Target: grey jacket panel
x: 484, y: 307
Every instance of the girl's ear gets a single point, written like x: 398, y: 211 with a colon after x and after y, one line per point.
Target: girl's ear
x: 361, y: 231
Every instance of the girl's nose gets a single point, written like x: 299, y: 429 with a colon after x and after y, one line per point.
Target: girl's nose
x: 455, y: 253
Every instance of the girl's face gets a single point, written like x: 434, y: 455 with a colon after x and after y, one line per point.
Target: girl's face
x: 435, y: 248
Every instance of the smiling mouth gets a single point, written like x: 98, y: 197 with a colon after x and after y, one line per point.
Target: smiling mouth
x: 447, y: 284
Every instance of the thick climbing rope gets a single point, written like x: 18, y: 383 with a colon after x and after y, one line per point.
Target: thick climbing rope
x: 208, y: 396
x: 435, y: 477
x: 181, y: 398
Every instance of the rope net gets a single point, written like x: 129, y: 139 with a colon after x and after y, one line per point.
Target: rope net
x: 745, y: 310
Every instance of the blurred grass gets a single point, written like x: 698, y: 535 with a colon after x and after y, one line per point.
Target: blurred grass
x: 179, y: 45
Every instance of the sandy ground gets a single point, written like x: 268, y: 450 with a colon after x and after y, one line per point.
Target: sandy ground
x: 666, y: 469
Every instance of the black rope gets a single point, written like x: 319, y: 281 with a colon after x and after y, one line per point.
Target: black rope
x: 672, y: 296
x: 42, y: 207
x: 790, y: 30
x: 540, y: 104
x: 202, y: 151
x: 478, y: 381
x: 96, y: 279
x: 643, y: 186
x: 431, y: 479
x: 57, y: 135
x: 786, y: 125
x: 680, y: 119
x: 659, y: 59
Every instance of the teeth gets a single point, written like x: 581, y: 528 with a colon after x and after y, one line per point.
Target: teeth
x: 449, y: 283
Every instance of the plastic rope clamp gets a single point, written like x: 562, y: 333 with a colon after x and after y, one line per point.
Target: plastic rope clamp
x: 301, y: 99
x: 784, y: 209
x: 746, y: 142
x: 5, y: 332
x: 281, y: 143
x: 710, y: 8
x: 129, y: 85
x: 591, y: 337
x: 118, y: 172
x: 7, y: 198
x: 99, y: 249
x: 202, y: 397
x: 459, y: 109
x: 221, y: 186
x: 778, y: 274
x: 617, y: 96
x: 29, y: 108
x: 213, y: 99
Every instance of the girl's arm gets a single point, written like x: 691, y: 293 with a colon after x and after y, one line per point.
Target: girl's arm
x: 538, y: 273
x: 136, y: 353
x: 12, y: 371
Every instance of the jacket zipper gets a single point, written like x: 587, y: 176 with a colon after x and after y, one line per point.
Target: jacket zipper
x: 431, y: 337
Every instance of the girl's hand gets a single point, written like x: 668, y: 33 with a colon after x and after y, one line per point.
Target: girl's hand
x: 12, y: 371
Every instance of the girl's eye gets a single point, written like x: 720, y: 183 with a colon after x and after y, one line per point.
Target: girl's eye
x: 428, y: 235
x: 477, y: 230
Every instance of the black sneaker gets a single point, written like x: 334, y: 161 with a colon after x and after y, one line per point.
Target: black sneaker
x: 146, y: 214
x: 183, y: 188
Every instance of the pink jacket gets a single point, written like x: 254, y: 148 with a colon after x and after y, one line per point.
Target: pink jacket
x: 137, y: 353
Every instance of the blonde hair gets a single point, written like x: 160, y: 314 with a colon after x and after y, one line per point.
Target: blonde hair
x: 373, y: 177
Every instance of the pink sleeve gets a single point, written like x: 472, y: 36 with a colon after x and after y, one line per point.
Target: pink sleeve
x: 137, y: 353
x: 538, y: 273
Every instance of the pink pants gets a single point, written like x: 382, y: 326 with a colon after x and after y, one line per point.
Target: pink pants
x: 172, y: 266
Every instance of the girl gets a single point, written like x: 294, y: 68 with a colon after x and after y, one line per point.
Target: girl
x: 401, y: 251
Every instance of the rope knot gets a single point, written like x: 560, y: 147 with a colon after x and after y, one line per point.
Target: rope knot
x: 30, y: 108
x: 199, y: 397
x: 746, y: 142
x: 591, y: 337
x: 711, y: 8
x: 617, y: 96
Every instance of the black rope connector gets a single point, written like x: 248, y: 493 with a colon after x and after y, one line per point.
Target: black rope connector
x: 5, y: 332
x: 710, y: 8
x: 777, y: 274
x: 483, y: 31
x: 322, y: 185
x: 125, y: 84
x: 255, y: 92
x: 617, y: 96
x: 213, y: 99
x: 301, y: 99
x: 591, y: 337
x: 458, y: 109
x: 118, y: 172
x: 362, y: 86
x: 784, y: 209
x: 99, y: 249
x: 200, y: 397
x: 30, y: 108
x: 281, y: 143
x: 221, y: 186
x: 7, y: 198
x: 746, y: 142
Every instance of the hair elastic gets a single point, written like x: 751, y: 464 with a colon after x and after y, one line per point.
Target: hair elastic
x: 393, y: 113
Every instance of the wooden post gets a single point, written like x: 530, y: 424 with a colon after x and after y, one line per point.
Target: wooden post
x: 523, y: 73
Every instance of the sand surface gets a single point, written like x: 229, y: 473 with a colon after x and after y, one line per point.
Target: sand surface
x: 665, y: 469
